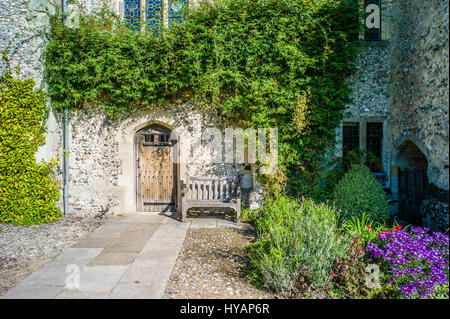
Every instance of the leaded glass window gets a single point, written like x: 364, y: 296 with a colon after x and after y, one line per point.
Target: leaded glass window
x: 350, y: 137
x: 154, y: 15
x: 177, y: 10
x: 133, y: 13
x: 374, y: 138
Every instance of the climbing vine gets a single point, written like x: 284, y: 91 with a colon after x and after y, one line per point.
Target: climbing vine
x: 28, y: 190
x: 260, y: 63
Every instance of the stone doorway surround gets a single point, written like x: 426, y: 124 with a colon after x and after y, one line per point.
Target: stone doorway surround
x: 125, y: 137
x: 157, y: 175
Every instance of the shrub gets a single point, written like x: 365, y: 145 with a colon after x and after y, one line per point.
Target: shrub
x: 417, y: 260
x: 440, y: 292
x: 342, y: 165
x: 349, y: 280
x: 358, y: 192
x: 298, y: 243
x: 363, y: 229
x: 28, y: 191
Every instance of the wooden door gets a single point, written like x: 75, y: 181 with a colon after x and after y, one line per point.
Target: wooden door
x: 412, y: 184
x: 156, y: 171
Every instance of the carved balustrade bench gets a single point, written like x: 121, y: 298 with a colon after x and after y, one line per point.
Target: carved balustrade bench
x: 211, y: 192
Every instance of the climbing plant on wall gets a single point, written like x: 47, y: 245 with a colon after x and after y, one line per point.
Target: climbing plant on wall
x: 261, y: 63
x: 28, y: 190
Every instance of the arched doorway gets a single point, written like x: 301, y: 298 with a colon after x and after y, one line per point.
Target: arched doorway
x: 156, y: 169
x: 412, y: 181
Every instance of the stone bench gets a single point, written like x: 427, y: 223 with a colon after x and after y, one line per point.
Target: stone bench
x: 211, y: 192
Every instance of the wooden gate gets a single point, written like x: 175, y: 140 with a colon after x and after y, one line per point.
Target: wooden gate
x: 156, y: 170
x: 412, y: 185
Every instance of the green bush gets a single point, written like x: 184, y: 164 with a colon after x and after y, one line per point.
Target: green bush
x: 342, y: 165
x: 441, y: 292
x: 358, y: 192
x: 28, y: 191
x: 363, y: 228
x: 298, y: 246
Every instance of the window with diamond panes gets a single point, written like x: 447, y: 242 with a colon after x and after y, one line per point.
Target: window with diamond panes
x: 154, y: 15
x: 177, y: 9
x: 350, y: 137
x: 133, y: 13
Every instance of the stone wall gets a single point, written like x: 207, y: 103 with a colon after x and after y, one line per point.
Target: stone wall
x: 419, y: 82
x: 370, y: 92
x: 24, y: 27
x: 434, y: 213
x: 102, y: 155
x: 370, y: 87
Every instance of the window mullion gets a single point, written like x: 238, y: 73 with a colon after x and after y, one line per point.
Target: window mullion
x: 165, y: 14
x: 143, y: 15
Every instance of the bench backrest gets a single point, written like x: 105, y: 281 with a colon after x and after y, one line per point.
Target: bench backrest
x: 212, y: 188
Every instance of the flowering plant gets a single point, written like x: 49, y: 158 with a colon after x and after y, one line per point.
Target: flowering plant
x: 363, y: 228
x: 416, y: 258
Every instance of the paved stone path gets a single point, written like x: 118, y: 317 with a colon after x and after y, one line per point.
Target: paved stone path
x: 127, y: 257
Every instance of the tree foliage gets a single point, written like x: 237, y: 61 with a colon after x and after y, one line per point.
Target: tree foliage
x: 28, y: 190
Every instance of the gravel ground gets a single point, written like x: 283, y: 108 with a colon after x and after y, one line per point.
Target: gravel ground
x: 210, y: 265
x: 23, y: 249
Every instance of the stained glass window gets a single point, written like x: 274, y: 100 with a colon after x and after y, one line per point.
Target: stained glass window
x: 177, y: 9
x: 154, y: 15
x: 133, y: 13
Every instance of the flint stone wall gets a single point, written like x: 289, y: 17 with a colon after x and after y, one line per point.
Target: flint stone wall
x: 419, y: 77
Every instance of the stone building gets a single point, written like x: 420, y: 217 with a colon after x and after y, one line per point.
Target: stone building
x: 399, y: 110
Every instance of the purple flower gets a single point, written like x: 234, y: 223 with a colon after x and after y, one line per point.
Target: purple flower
x: 418, y: 259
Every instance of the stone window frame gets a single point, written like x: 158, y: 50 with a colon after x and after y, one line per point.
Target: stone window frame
x: 143, y: 11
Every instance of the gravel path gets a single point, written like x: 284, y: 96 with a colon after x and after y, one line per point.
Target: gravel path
x: 25, y: 249
x: 210, y: 265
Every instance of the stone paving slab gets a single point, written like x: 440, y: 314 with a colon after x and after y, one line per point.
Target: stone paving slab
x: 98, y: 242
x: 32, y: 292
x: 113, y: 258
x: 127, y: 257
x: 76, y: 294
x: 100, y: 278
x: 136, y: 291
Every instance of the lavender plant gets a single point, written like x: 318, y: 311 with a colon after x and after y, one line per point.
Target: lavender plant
x: 417, y: 259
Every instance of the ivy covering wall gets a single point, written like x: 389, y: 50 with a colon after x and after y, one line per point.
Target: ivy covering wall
x: 260, y: 63
x: 28, y: 190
